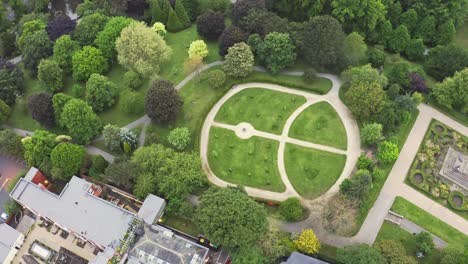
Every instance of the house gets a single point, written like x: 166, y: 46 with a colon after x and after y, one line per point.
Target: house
x: 79, y: 210
x: 10, y: 241
x: 298, y: 258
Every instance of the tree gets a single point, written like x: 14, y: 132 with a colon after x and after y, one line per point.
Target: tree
x: 4, y: 111
x: 66, y: 160
x: 355, y: 49
x: 215, y: 78
x: 50, y: 75
x: 230, y: 218
x: 198, y: 48
x: 98, y: 166
x: 210, y: 25
x: 40, y: 106
x: 58, y: 102
x: 159, y: 10
x: 263, y: 22
x: 399, y: 40
x: 409, y: 19
x: 357, y: 186
x: 179, y: 138
x: 162, y: 102
x: 445, y: 61
x: 323, y: 41
x: 105, y: 39
x: 382, y: 34
x: 387, y: 152
x: 298, y: 10
x: 291, y: 209
x: 89, y: 27
x: 140, y: 48
x: 274, y: 246
x: 87, y: 61
x: 277, y: 51
x: 128, y: 139
x: 132, y: 103
x: 359, y: 254
x: 37, y: 149
x: 365, y: 99
x: 173, y: 22
x: 121, y: 174
x: 108, y: 7
x: 415, y: 49
x: 371, y: 133
x: 307, y: 242
x: 454, y: 254
x: 144, y: 184
x: 215, y: 5
x: 11, y: 207
x: 100, y: 92
x: 4, y: 22
x: 426, y: 29
x: 242, y: 8
x: 418, y: 84
x: 424, y: 242
x: 7, y: 44
x: 376, y: 57
x: 399, y: 74
x: 80, y: 120
x: 193, y: 64
x: 28, y: 29
x: 230, y: 36
x: 362, y: 16
x: 36, y: 47
x: 11, y: 82
x: 10, y: 143
x: 394, y: 252
x: 59, y: 26
x: 445, y: 33
x: 239, y: 61
x: 132, y: 80
x: 111, y: 134
x: 63, y: 51
x: 452, y: 92
x: 182, y: 14
x: 160, y: 29
x: 251, y: 254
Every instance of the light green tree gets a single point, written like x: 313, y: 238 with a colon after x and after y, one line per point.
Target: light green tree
x: 239, y: 61
x: 198, y: 48
x: 50, y: 75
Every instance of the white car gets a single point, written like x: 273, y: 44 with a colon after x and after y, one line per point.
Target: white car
x: 4, y: 216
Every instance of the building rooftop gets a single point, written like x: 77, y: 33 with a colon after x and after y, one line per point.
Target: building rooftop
x: 161, y: 245
x: 148, y: 211
x: 298, y: 258
x: 8, y: 238
x: 76, y: 209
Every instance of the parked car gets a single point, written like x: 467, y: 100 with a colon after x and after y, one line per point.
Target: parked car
x: 4, y: 217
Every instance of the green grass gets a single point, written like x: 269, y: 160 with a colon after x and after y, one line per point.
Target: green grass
x: 266, y: 110
x: 320, y: 124
x: 328, y: 253
x: 390, y: 231
x: 250, y: 162
x: 312, y: 172
x: 462, y: 36
x: 377, y: 184
x: 182, y: 224
x: 429, y: 222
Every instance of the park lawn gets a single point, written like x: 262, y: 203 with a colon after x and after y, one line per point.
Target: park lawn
x: 248, y: 162
x: 429, y: 222
x: 181, y: 224
x: 266, y: 110
x: 390, y: 231
x: 320, y: 124
x: 311, y: 171
x: 377, y: 184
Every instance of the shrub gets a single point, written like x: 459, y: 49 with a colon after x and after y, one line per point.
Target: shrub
x: 239, y: 61
x: 424, y: 242
x: 100, y: 92
x: 11, y: 184
x: 78, y: 91
x: 365, y: 163
x: 310, y: 75
x: 179, y: 138
x: 160, y: 29
x: 230, y: 36
x: 4, y: 111
x: 162, y: 101
x: 98, y: 166
x: 87, y: 61
x: 198, y: 48
x: 387, y: 152
x: 307, y: 242
x: 371, y: 133
x: 132, y: 80
x: 111, y: 134
x: 376, y: 57
x: 210, y: 25
x: 41, y: 108
x: 132, y: 103
x: 415, y: 49
x: 67, y: 158
x: 291, y: 210
x: 50, y: 75
x: 128, y: 139
x: 277, y: 51
x: 11, y: 207
x: 216, y: 78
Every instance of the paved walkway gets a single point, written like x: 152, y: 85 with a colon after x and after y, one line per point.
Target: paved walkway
x: 245, y: 130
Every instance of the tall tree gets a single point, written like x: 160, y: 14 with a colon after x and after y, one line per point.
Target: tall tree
x: 162, y: 101
x: 66, y: 160
x: 445, y: 33
x: 105, y: 40
x: 80, y: 120
x: 37, y: 149
x: 100, y: 92
x: 88, y: 28
x: 355, y: 50
x: 426, y: 29
x: 445, y: 61
x: 453, y: 91
x: 239, y: 61
x: 399, y: 40
x: 230, y: 36
x: 36, y: 47
x: 230, y: 218
x: 40, y: 106
x: 59, y: 26
x: 361, y: 15
x: 410, y: 20
x: 365, y: 99
x: 241, y: 8
x: 182, y: 14
x: 277, y: 51
x: 50, y: 75
x: 173, y: 22
x: 142, y: 49
x: 87, y: 61
x: 210, y: 25
x: 323, y: 41
x: 63, y: 51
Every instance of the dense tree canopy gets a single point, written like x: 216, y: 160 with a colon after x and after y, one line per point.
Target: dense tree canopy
x: 105, y: 40
x: 365, y: 99
x: 37, y: 46
x: 5, y: 111
x: 394, y: 252
x: 142, y: 49
x: 100, y: 92
x: 121, y: 174
x: 11, y: 82
x: 239, y: 61
x: 263, y: 23
x: 89, y: 27
x: 276, y: 51
x: 50, y: 75
x: 445, y: 61
x: 64, y: 48
x: 162, y: 101
x: 210, y: 25
x: 241, y: 8
x: 58, y: 102
x: 66, y: 160
x: 37, y: 149
x: 10, y: 143
x: 80, y: 120
x: 40, y: 106
x: 87, y: 61
x: 59, y: 26
x: 360, y: 254
x: 230, y: 218
x: 355, y: 50
x: 230, y: 36
x: 453, y: 91
x: 361, y: 16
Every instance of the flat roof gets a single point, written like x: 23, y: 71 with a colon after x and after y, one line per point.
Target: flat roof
x: 8, y: 238
x: 298, y: 258
x: 77, y: 210
x: 159, y: 243
x: 151, y: 209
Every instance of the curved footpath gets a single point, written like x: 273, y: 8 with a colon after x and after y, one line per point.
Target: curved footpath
x: 394, y: 185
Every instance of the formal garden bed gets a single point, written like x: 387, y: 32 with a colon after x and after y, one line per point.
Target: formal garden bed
x: 320, y: 124
x: 311, y: 171
x: 425, y: 172
x: 249, y: 162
